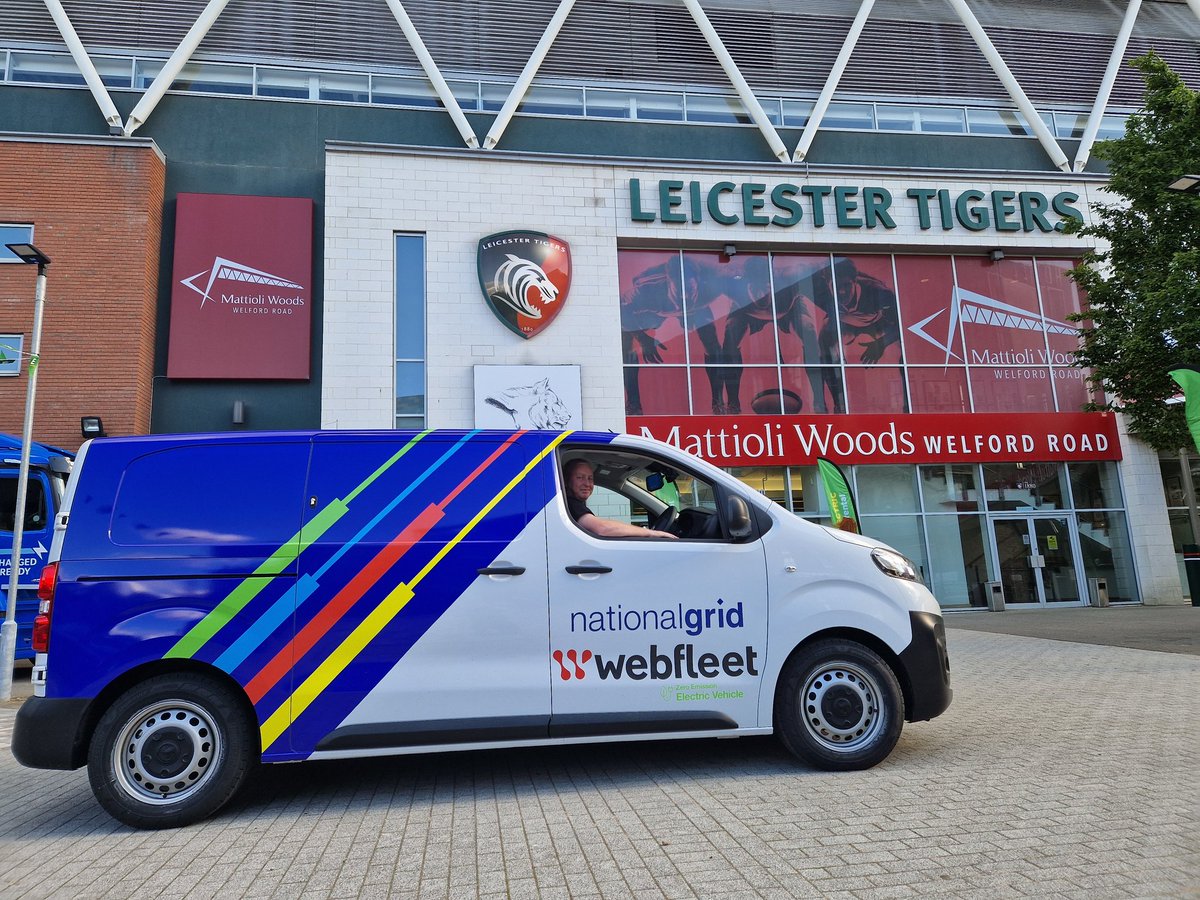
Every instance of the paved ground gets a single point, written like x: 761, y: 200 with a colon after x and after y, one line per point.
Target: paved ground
x: 1062, y: 769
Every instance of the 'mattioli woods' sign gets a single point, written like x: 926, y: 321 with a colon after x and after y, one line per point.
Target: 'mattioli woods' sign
x: 880, y: 439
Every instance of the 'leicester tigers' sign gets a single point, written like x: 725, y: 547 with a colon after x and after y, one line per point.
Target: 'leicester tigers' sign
x: 525, y: 276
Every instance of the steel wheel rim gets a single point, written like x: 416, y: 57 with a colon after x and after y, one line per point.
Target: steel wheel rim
x: 166, y: 752
x: 842, y: 706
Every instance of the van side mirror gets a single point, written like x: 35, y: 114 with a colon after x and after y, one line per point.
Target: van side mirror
x: 740, y: 526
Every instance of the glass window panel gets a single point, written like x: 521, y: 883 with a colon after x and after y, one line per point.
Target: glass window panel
x: 1172, y: 479
x: 723, y: 390
x: 410, y: 296
x: 938, y: 390
x: 1070, y: 125
x: 401, y: 91
x: 808, y: 497
x: 731, y: 311
x: 410, y: 423
x: 1060, y: 299
x: 344, y: 88
x: 492, y: 96
x: 656, y: 391
x: 1106, y: 553
x: 35, y: 505
x: 943, y: 120
x: 553, y: 101
x: 868, y: 315
x: 44, y: 68
x: 1024, y: 486
x: 1011, y: 389
x: 114, y: 71
x: 652, y: 299
x: 1111, y: 128
x: 609, y: 104
x: 815, y: 389
x: 14, y: 234
x: 287, y: 83
x: 212, y: 78
x: 796, y: 113
x: 1181, y: 533
x: 807, y: 331
x: 886, y: 489
x: 145, y: 70
x: 849, y: 115
x: 703, y: 108
x: 997, y: 121
x: 770, y: 481
x: 949, y: 488
x: 1072, y: 389
x: 897, y: 118
x: 658, y: 107
x: 410, y: 389
x: 1000, y: 312
x: 925, y: 288
x: 1095, y: 485
x: 875, y: 389
x: 958, y: 560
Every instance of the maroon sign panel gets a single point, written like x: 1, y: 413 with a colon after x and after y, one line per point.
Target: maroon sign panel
x: 913, y: 438
x: 241, y: 296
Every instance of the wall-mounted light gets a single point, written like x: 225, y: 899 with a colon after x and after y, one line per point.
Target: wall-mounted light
x: 995, y: 255
x: 1189, y: 184
x: 91, y: 427
x: 239, y: 412
x: 730, y: 250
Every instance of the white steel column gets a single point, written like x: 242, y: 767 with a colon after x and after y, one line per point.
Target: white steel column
x: 1195, y: 5
x: 757, y: 113
x: 434, y: 75
x: 170, y: 69
x: 1106, y: 85
x: 1049, y: 144
x: 517, y: 94
x: 831, y: 83
x: 95, y: 84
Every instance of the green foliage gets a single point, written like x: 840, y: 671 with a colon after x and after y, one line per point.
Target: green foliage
x: 1143, y: 280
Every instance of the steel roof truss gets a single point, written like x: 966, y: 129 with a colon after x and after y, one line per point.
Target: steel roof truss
x: 86, y: 68
x: 1106, y: 85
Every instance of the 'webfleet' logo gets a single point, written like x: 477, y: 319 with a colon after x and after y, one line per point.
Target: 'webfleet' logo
x: 228, y: 270
x: 681, y: 662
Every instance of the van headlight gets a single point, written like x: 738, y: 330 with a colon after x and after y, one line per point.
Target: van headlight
x: 892, y: 563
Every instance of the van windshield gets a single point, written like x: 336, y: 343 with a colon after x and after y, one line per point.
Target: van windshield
x: 35, y: 503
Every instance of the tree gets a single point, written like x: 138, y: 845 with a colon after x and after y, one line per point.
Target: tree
x: 1143, y: 278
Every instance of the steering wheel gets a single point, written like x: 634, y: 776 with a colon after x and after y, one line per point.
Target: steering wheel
x: 665, y: 519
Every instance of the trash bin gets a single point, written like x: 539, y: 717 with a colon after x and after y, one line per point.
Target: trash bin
x: 1191, y: 564
x: 1098, y: 591
x: 994, y: 591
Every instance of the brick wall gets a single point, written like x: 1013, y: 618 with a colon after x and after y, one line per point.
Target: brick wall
x: 96, y: 208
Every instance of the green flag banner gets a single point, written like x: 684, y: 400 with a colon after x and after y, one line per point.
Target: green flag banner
x: 1188, y: 379
x: 837, y: 492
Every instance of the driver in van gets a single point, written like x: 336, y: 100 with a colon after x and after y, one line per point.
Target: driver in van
x: 577, y: 478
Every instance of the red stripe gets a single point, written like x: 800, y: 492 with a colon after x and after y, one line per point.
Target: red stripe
x: 479, y: 469
x: 340, y: 604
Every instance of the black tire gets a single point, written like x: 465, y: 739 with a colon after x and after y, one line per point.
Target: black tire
x: 839, y: 706
x: 171, y: 751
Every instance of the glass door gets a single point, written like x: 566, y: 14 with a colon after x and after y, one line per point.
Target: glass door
x: 1036, y: 559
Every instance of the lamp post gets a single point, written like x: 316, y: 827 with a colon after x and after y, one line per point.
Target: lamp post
x: 8, y: 632
x: 1187, y: 184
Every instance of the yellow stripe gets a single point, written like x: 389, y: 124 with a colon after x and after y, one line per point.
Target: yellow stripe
x: 374, y: 623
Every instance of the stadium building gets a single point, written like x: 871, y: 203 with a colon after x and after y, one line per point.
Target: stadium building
x: 765, y: 232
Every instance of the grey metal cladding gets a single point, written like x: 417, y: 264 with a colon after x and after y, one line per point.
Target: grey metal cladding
x: 909, y: 48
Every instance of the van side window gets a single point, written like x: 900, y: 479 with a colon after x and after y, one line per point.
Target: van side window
x: 35, y: 503
x: 641, y: 490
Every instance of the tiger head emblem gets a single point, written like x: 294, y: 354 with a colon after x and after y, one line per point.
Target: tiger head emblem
x: 525, y: 277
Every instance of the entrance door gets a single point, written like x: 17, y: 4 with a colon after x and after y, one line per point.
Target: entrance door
x: 1036, y: 559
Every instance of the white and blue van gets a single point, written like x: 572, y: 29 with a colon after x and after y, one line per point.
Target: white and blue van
x: 214, y: 600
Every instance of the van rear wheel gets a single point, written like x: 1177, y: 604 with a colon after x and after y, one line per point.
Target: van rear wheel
x: 171, y: 751
x: 839, y: 706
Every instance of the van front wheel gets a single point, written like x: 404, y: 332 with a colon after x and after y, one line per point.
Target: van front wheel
x: 171, y: 751
x: 839, y: 706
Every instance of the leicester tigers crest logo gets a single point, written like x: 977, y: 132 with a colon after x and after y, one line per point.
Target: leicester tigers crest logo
x: 525, y: 276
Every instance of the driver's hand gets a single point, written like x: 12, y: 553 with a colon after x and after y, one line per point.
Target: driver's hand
x: 663, y: 534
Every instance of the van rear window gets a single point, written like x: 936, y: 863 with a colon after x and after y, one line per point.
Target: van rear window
x: 35, y: 503
x: 213, y: 494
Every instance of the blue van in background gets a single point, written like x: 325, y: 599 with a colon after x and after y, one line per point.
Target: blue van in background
x: 48, y: 471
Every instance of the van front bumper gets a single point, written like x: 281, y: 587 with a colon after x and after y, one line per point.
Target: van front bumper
x: 48, y: 733
x: 927, y: 667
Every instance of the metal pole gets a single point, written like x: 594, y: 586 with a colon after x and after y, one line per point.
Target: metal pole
x: 1106, y: 84
x: 1189, y: 491
x: 8, y: 632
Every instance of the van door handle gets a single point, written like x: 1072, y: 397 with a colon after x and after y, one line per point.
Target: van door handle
x: 588, y: 570
x: 502, y: 570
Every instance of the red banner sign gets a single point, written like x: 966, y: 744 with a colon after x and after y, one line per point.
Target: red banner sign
x: 241, y: 297
x: 884, y: 439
